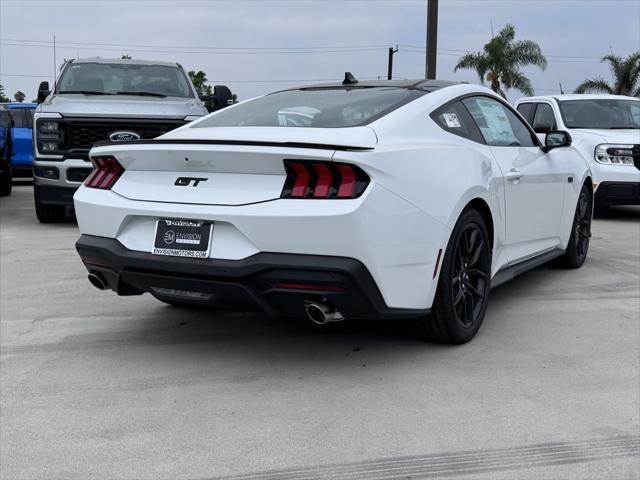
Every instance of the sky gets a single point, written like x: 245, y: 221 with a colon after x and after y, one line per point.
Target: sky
x: 258, y: 46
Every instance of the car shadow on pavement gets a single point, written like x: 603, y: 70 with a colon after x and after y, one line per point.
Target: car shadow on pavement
x: 630, y: 213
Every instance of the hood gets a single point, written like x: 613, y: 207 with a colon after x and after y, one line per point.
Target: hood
x: 610, y: 136
x: 358, y: 137
x: 78, y: 105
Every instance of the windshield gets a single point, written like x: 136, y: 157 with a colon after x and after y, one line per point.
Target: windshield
x: 122, y: 79
x: 314, y: 107
x: 22, y: 117
x: 601, y: 114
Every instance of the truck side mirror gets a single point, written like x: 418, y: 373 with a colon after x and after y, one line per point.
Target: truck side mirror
x: 43, y: 92
x: 223, y: 96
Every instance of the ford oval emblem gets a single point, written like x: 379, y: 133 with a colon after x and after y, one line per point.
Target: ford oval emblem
x: 123, y: 136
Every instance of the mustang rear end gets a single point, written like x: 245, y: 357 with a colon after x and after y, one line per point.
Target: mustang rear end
x: 283, y: 228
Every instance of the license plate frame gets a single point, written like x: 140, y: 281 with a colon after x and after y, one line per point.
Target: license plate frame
x: 177, y: 237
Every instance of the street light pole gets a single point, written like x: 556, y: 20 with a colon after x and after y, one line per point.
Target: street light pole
x: 432, y: 39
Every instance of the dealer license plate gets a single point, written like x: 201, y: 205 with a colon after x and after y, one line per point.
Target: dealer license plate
x: 182, y: 238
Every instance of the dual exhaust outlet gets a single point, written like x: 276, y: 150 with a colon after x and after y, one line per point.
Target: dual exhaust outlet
x: 319, y: 312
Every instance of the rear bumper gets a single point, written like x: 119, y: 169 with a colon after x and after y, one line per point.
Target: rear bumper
x: 254, y: 283
x: 618, y: 193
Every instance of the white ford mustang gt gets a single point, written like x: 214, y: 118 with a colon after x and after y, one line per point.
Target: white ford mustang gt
x: 389, y: 199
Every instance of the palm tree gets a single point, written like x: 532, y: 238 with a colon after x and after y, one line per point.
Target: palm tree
x: 626, y: 77
x: 501, y: 60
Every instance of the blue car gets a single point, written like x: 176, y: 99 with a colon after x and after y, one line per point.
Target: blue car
x: 21, y: 138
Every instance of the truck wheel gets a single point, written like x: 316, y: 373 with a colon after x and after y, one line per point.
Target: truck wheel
x: 463, y: 287
x: 48, y: 213
x: 6, y: 181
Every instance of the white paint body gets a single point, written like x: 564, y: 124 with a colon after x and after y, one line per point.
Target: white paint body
x: 422, y: 178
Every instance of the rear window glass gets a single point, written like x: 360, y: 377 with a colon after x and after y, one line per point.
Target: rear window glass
x: 319, y: 107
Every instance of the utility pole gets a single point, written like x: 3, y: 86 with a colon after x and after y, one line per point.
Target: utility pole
x: 390, y: 66
x: 432, y: 39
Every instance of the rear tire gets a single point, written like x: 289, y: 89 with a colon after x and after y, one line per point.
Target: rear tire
x: 578, y: 246
x: 463, y: 287
x: 48, y: 213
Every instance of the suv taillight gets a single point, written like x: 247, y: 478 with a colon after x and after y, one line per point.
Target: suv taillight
x: 323, y: 180
x: 106, y: 171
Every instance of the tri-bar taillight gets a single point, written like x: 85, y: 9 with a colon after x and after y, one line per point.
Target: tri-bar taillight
x: 323, y: 180
x: 106, y: 171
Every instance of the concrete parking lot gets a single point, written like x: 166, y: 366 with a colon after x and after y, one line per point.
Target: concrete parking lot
x: 99, y: 386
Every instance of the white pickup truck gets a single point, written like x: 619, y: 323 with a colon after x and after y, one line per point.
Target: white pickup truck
x: 605, y: 129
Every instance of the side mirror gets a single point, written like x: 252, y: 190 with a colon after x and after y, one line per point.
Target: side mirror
x: 205, y: 98
x: 43, y: 92
x: 542, y: 128
x: 556, y: 139
x: 223, y: 96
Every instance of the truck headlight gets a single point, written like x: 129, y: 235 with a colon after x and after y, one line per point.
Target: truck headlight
x: 49, y: 147
x: 47, y: 126
x: 50, y: 136
x: 609, y: 154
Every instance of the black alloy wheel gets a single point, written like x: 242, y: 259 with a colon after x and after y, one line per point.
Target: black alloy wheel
x: 470, y: 280
x: 462, y: 294
x: 578, y: 246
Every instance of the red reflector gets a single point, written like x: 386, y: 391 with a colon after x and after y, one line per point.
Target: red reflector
x: 105, y: 173
x: 302, y: 180
x: 348, y: 181
x: 307, y: 286
x: 324, y: 180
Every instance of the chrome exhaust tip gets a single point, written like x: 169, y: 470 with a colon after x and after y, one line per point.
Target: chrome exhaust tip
x: 322, y: 313
x: 97, y: 280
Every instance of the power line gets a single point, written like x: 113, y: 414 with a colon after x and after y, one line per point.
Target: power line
x: 252, y: 50
x: 333, y: 47
x: 284, y: 52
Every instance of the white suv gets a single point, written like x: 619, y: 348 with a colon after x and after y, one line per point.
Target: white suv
x: 605, y: 129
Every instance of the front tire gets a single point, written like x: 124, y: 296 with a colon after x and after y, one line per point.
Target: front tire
x: 578, y: 245
x: 48, y: 213
x: 462, y: 295
x: 6, y: 177
x: 6, y: 181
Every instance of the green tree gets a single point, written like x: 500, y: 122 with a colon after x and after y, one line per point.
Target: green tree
x: 199, y: 80
x: 501, y: 59
x: 626, y: 77
x: 3, y: 97
x: 19, y: 96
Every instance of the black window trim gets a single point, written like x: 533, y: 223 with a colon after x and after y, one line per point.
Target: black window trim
x: 459, y: 98
x: 534, y: 108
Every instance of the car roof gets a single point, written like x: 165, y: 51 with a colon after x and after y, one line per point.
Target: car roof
x: 123, y: 61
x: 422, y: 84
x: 576, y: 96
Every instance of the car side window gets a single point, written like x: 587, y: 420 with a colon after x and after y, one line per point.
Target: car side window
x: 500, y: 127
x: 454, y: 118
x: 544, y: 119
x: 526, y: 110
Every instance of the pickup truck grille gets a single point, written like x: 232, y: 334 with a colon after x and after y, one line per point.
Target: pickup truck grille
x: 81, y: 134
x: 636, y: 156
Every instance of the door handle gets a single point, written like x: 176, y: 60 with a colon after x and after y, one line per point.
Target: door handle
x: 513, y: 175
